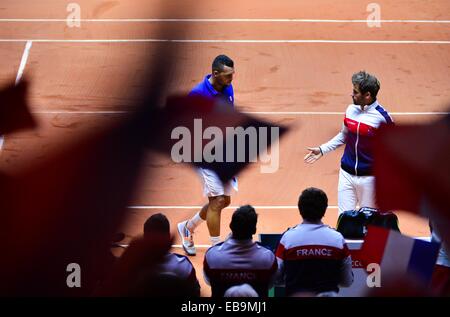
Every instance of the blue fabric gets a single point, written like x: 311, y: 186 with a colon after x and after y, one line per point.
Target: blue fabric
x: 205, y: 89
x: 384, y: 113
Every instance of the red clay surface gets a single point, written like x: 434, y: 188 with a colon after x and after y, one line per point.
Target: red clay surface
x: 270, y: 77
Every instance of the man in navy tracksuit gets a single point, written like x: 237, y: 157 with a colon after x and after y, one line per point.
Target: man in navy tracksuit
x: 313, y: 259
x: 361, y: 121
x: 239, y: 260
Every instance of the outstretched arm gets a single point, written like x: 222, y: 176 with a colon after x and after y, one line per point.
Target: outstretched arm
x: 316, y: 153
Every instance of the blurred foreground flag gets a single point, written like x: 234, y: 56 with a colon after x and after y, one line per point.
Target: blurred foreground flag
x: 210, y: 134
x: 61, y: 213
x: 412, y: 170
x: 399, y: 255
x: 14, y: 112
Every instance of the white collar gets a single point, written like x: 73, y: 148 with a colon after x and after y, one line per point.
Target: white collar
x: 372, y: 105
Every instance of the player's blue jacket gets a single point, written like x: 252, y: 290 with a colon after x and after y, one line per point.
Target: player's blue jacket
x: 205, y: 89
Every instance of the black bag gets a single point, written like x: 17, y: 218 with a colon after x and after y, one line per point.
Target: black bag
x: 352, y: 224
x: 387, y: 220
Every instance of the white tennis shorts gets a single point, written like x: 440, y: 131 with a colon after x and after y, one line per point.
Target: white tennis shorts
x: 213, y: 186
x: 355, y: 190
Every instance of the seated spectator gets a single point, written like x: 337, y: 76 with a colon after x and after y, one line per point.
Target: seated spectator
x: 175, y: 269
x: 162, y: 284
x: 238, y: 260
x: 312, y: 257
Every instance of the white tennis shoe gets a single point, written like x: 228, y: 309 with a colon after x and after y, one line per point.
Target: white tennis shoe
x: 187, y: 238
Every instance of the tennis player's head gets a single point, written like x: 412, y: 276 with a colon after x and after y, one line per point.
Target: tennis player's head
x: 223, y: 70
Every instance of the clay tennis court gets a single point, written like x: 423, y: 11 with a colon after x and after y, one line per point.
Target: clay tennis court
x: 294, y: 61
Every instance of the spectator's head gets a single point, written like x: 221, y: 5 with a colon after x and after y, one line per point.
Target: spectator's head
x: 312, y: 204
x: 365, y: 88
x: 157, y: 223
x: 243, y: 290
x: 243, y: 222
x: 223, y: 70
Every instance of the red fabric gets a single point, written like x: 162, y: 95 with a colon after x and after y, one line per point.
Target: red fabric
x: 440, y: 282
x: 364, y: 129
x: 374, y: 244
x: 412, y: 170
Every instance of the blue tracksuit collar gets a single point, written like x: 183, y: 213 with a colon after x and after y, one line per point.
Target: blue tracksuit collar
x: 209, y: 86
x: 227, y: 90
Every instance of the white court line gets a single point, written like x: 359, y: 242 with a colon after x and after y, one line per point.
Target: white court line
x: 229, y: 207
x: 222, y: 41
x: 79, y: 112
x: 22, y: 65
x: 201, y: 246
x: 227, y: 20
x: 299, y: 113
x: 23, y: 61
x: 341, y: 113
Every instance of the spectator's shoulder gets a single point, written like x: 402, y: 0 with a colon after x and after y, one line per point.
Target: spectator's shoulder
x: 212, y: 250
x: 263, y: 249
x: 267, y: 256
x: 289, y: 231
x: 332, y: 230
x: 182, y: 258
x: 336, y: 235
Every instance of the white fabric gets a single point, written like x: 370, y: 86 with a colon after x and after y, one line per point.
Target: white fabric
x: 214, y: 240
x: 355, y: 191
x: 213, y: 186
x: 194, y: 222
x: 243, y: 290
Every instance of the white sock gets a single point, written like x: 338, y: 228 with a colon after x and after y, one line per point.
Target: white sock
x: 194, y: 222
x: 214, y: 240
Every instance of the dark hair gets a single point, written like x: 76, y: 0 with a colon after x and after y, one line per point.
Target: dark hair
x: 366, y: 83
x: 220, y: 61
x: 312, y: 204
x: 157, y: 223
x: 243, y: 222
